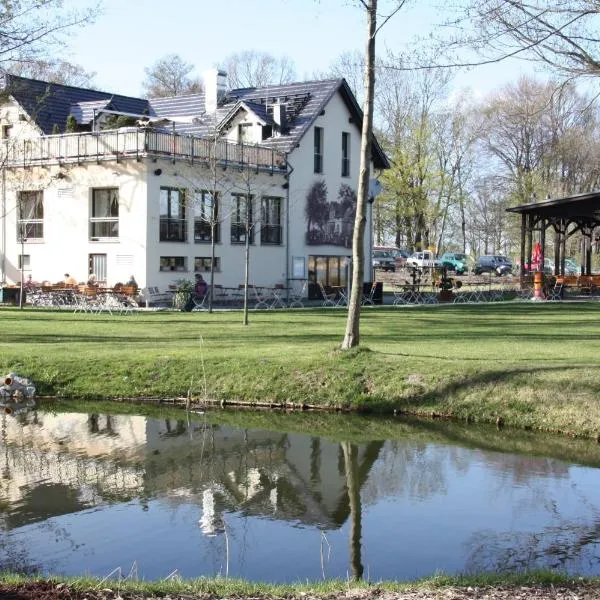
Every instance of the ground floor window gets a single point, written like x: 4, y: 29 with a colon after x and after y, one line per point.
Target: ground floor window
x: 329, y: 270
x: 30, y: 224
x: 202, y: 264
x: 98, y: 267
x: 173, y: 263
x: 24, y: 262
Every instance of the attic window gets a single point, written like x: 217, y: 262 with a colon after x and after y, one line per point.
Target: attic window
x: 267, y: 131
x: 245, y: 133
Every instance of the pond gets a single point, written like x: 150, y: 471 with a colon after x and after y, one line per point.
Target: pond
x: 289, y: 498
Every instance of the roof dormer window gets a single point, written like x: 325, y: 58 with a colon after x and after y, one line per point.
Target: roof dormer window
x: 245, y: 133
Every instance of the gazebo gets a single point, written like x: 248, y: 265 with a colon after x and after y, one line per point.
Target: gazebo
x: 566, y: 216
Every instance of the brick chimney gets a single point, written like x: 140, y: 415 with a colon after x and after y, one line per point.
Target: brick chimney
x: 215, y: 87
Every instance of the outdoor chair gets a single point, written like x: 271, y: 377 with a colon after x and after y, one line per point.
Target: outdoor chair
x: 329, y: 299
x: 342, y: 297
x: 154, y: 297
x: 555, y: 292
x: 262, y: 301
x: 277, y: 300
x: 297, y: 296
x: 200, y: 302
x: 367, y: 299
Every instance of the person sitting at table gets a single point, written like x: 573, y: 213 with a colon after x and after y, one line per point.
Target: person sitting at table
x: 30, y: 284
x: 92, y: 281
x: 199, y: 291
x: 69, y: 281
x: 132, y: 283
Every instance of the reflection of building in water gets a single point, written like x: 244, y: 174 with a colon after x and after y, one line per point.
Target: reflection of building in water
x: 63, y: 463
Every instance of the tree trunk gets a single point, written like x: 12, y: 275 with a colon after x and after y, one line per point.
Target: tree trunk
x: 353, y: 486
x: 352, y: 337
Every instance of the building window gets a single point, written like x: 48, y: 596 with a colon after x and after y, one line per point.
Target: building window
x: 173, y: 263
x: 271, y: 230
x: 318, y: 149
x: 329, y: 270
x: 202, y: 264
x: 98, y: 266
x: 24, y: 262
x: 173, y: 227
x: 6, y: 131
x: 104, y: 220
x: 30, y: 223
x: 241, y: 219
x: 345, y: 154
x: 245, y: 133
x: 267, y: 132
x: 204, y: 216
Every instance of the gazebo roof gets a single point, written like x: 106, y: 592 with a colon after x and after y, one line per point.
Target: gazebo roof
x: 580, y: 208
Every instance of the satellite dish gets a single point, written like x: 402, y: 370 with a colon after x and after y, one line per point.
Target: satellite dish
x: 375, y: 188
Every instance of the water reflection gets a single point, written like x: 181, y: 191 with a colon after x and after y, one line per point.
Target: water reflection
x: 90, y: 492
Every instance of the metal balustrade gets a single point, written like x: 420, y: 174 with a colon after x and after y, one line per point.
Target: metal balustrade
x: 116, y: 144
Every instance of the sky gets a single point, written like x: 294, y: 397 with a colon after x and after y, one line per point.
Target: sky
x: 131, y: 35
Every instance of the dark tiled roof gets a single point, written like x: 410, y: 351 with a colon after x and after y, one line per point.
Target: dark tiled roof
x: 49, y: 104
x: 84, y: 111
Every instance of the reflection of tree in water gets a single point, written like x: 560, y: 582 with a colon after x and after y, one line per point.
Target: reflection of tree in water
x: 418, y: 471
x: 569, y: 546
x: 14, y: 557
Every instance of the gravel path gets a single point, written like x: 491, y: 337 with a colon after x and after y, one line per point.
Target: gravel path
x: 51, y: 591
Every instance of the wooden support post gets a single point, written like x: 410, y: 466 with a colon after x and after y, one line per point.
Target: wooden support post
x: 588, y: 252
x: 542, y: 243
x: 563, y: 245
x: 523, y: 227
x: 556, y: 251
x: 529, y: 241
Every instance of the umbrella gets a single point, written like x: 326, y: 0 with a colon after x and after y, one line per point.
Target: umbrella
x: 536, y: 257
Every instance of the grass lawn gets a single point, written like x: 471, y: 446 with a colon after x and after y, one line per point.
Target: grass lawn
x: 532, y: 365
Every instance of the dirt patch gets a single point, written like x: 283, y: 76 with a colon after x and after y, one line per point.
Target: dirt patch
x: 52, y: 591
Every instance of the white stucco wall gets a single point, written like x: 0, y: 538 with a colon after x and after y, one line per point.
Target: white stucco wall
x: 334, y: 121
x: 66, y: 246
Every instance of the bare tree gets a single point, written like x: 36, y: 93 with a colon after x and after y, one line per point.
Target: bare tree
x: 170, y: 76
x: 54, y: 70
x: 252, y: 68
x: 560, y: 33
x: 352, y: 336
x: 30, y: 29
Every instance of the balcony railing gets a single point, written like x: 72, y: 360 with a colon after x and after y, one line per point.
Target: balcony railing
x: 117, y: 144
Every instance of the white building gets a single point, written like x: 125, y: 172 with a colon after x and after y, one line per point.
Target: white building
x: 138, y: 199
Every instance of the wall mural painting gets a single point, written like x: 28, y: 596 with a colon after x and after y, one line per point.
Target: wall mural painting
x: 330, y: 222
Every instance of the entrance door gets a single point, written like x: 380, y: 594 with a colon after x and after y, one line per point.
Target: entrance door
x: 97, y: 266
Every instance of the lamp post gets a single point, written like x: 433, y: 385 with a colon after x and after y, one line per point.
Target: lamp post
x: 23, y: 240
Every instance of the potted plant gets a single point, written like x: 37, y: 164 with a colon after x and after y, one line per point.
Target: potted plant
x: 446, y: 285
x: 183, y: 289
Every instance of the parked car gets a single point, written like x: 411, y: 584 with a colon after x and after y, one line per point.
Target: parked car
x: 493, y: 263
x: 425, y: 259
x: 401, y: 257
x: 455, y: 261
x: 399, y: 254
x: 571, y: 266
x: 382, y: 259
